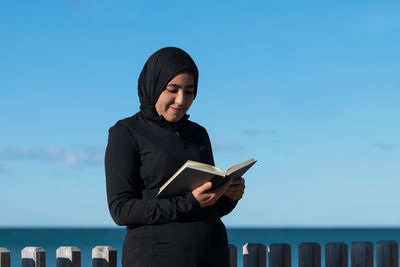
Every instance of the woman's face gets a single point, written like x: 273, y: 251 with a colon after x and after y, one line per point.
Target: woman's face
x: 177, y: 97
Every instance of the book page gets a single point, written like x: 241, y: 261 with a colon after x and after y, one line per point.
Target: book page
x: 203, y: 166
x: 238, y: 166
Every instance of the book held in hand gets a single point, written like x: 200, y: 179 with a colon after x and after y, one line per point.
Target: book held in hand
x: 193, y: 174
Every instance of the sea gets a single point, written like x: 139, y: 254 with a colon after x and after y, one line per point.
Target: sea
x: 15, y: 239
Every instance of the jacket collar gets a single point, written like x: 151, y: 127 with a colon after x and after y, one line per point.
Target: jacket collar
x: 160, y: 120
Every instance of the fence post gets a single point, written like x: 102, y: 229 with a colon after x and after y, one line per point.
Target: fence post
x: 336, y: 254
x: 4, y: 257
x: 362, y: 254
x: 33, y: 257
x: 387, y: 254
x: 68, y: 257
x: 309, y: 255
x: 254, y: 255
x: 232, y: 255
x: 279, y: 255
x: 104, y: 256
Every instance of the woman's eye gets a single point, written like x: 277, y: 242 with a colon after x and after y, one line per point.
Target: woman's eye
x: 175, y: 90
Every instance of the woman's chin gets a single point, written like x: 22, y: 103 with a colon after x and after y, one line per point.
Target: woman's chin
x: 173, y: 118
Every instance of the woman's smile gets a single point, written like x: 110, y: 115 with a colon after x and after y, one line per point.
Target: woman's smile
x: 175, y: 109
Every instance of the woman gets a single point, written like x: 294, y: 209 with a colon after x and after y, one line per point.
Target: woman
x: 144, y: 151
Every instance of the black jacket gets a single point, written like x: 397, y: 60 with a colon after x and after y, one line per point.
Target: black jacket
x: 142, y: 153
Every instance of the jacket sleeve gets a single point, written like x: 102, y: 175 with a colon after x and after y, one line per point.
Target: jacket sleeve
x: 224, y: 205
x: 124, y: 186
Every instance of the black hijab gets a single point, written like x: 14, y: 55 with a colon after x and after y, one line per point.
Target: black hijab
x: 159, y: 69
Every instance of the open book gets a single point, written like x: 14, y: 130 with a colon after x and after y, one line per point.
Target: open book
x: 192, y: 174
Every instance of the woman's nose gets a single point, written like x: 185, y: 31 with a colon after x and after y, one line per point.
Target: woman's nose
x: 180, y: 98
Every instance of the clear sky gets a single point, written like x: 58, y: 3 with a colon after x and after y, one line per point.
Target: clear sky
x: 311, y: 90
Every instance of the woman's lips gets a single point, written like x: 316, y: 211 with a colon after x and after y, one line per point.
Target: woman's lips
x: 176, y: 110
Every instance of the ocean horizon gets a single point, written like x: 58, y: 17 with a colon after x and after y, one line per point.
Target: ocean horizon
x: 86, y: 238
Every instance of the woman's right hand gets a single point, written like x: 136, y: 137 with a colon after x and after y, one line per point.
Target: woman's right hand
x: 205, y: 197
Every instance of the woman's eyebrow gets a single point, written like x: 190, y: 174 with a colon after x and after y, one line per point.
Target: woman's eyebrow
x: 178, y: 86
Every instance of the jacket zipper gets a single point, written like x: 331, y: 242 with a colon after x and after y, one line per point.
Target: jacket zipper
x: 184, y: 145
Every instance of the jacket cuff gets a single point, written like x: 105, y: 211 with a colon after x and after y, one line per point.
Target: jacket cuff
x: 193, y: 202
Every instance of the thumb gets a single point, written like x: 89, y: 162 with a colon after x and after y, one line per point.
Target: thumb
x: 205, y: 186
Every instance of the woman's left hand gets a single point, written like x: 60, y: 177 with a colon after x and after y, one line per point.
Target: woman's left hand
x: 235, y: 190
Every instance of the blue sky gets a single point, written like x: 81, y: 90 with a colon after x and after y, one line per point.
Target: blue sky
x: 310, y: 90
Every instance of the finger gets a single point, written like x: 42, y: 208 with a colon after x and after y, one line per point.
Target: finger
x: 234, y: 194
x: 226, y: 185
x: 235, y: 191
x: 221, y: 190
x: 207, y: 199
x: 210, y: 195
x: 236, y: 186
x: 238, y: 181
x: 223, y: 187
x: 228, y: 182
